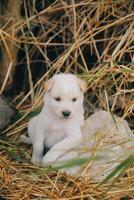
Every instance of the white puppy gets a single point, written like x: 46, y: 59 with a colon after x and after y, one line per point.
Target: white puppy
x: 58, y: 126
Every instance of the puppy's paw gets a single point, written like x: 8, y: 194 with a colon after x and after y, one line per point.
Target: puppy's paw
x: 36, y: 161
x: 47, y: 161
x: 72, y: 171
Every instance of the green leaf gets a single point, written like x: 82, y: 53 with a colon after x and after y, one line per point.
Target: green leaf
x: 70, y: 163
x: 119, y: 170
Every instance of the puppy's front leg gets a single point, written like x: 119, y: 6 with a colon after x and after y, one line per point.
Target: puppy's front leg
x: 38, y: 148
x: 59, y: 150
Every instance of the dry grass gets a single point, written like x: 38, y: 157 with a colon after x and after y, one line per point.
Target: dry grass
x: 21, y: 180
x: 94, y: 39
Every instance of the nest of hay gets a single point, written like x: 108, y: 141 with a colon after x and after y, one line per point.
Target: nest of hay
x: 22, y: 180
x: 92, y: 39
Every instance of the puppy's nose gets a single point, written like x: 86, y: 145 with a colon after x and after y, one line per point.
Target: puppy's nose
x: 66, y: 113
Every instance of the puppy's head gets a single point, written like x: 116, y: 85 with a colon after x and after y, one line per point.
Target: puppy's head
x: 64, y: 95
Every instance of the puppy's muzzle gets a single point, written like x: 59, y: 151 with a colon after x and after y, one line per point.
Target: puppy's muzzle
x: 66, y: 113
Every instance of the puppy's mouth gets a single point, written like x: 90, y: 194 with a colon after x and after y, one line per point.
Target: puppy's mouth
x: 63, y: 117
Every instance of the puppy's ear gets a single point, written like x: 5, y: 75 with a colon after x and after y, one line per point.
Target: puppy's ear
x: 48, y: 85
x: 82, y: 84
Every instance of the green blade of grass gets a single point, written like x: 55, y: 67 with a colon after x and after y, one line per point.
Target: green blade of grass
x: 119, y: 170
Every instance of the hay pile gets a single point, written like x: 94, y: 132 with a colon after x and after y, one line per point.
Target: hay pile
x: 21, y: 180
x: 94, y: 39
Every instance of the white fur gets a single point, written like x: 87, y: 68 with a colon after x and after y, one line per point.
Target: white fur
x: 50, y: 128
x: 103, y: 134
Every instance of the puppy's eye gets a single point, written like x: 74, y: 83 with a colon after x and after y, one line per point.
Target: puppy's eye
x: 74, y: 99
x: 57, y: 99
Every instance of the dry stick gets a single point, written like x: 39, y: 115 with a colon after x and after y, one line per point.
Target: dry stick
x: 17, y: 130
x: 27, y: 57
x: 6, y: 77
x: 5, y: 44
x: 39, y: 94
x: 74, y: 18
x: 93, y: 41
x: 128, y: 32
x: 121, y: 52
x: 29, y: 73
x: 78, y: 45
